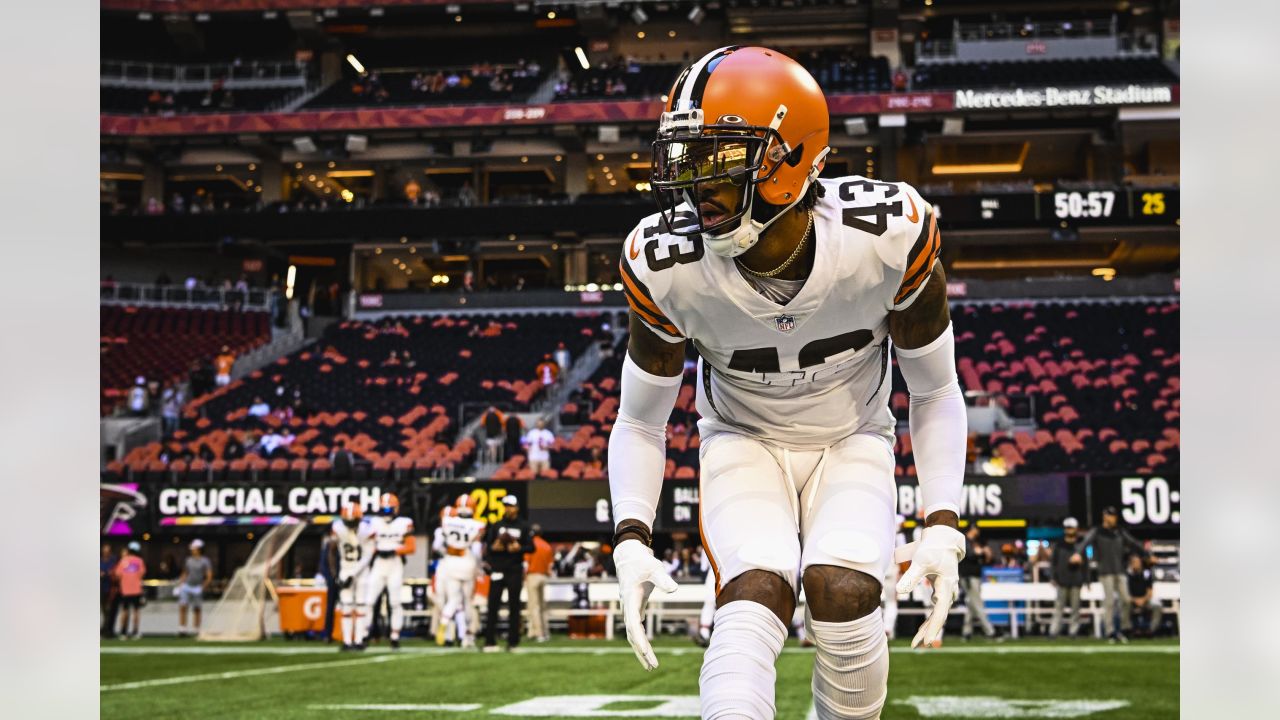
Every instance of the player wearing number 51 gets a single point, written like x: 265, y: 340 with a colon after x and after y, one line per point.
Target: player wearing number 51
x: 793, y: 289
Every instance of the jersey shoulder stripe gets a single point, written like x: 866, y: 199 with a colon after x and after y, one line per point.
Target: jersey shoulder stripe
x: 649, y: 259
x: 641, y: 301
x: 920, y: 259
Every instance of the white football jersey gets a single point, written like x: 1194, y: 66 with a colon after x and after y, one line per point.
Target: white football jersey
x: 354, y: 545
x: 810, y: 372
x: 459, y: 533
x: 389, y: 534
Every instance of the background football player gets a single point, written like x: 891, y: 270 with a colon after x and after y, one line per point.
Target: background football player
x: 392, y: 540
x: 792, y: 290
x: 459, y: 540
x: 355, y: 550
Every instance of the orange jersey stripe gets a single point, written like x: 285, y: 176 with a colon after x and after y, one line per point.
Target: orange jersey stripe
x: 706, y: 546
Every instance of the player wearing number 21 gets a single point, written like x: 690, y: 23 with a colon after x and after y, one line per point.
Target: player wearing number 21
x: 793, y: 290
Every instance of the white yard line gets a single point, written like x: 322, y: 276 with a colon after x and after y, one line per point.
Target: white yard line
x: 1005, y: 649
x: 232, y: 675
x: 439, y: 707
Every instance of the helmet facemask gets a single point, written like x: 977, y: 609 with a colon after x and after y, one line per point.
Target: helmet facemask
x: 691, y: 160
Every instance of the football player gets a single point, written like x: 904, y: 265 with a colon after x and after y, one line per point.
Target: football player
x: 793, y: 290
x: 355, y: 550
x: 459, y: 541
x: 392, y: 541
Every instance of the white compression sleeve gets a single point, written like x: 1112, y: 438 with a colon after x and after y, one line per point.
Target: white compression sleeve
x: 939, y: 421
x: 638, y: 442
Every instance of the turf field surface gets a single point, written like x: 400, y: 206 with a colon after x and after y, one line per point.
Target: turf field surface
x: 164, y: 678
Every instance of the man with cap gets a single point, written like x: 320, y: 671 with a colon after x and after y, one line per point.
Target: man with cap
x: 197, y: 573
x: 1067, y: 573
x: 1111, y: 545
x: 505, y: 544
x: 976, y: 555
x: 129, y: 573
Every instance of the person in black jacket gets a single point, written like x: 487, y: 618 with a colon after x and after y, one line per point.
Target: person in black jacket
x: 976, y: 554
x: 505, y: 544
x: 1067, y: 573
x: 1111, y: 545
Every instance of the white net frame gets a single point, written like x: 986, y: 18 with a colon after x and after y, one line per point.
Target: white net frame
x: 240, y: 614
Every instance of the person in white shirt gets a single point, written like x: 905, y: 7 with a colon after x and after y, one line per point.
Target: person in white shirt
x: 538, y: 442
x: 138, y: 399
x: 259, y: 408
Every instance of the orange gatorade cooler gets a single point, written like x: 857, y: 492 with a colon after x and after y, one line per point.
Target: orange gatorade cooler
x: 301, y: 609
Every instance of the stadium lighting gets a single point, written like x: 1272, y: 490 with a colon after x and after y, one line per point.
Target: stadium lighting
x: 582, y: 58
x: 617, y: 286
x: 348, y: 195
x: 289, y: 277
x: 355, y: 63
x: 592, y: 287
x: 551, y: 14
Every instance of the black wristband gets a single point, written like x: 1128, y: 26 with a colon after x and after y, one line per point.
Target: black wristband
x: 639, y: 530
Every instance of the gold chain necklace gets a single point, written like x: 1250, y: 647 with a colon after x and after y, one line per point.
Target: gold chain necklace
x: 795, y: 255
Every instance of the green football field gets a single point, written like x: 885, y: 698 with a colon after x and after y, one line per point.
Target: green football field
x: 169, y: 678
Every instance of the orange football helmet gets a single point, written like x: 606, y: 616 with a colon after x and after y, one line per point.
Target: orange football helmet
x: 465, y: 505
x: 750, y: 116
x: 389, y: 505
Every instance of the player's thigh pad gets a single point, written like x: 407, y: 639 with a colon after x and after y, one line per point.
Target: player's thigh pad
x: 747, y: 510
x: 847, y: 518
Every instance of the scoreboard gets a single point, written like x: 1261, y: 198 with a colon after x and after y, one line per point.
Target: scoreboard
x: 1122, y: 206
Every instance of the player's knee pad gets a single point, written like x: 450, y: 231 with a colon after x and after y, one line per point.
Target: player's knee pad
x: 850, y: 667
x: 738, y: 674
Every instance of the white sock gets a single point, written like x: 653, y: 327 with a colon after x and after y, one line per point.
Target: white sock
x: 851, y: 667
x: 738, y: 674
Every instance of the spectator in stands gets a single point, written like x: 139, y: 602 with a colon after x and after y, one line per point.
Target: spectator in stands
x: 976, y: 554
x: 222, y: 365
x: 197, y: 573
x: 107, y: 591
x: 259, y: 408
x: 547, y: 371
x: 341, y: 460
x: 467, y: 195
x: 492, y: 422
x: 535, y: 584
x: 506, y: 543
x: 177, y: 204
x: 596, y: 461
x: 139, y: 401
x: 1111, y: 544
x: 468, y: 282
x: 154, y: 206
x: 277, y: 441
x: 561, y: 356
x: 129, y: 573
x: 234, y: 449
x: 170, y: 408
x: 1067, y: 573
x: 514, y: 428
x: 1142, y: 590
x: 538, y: 443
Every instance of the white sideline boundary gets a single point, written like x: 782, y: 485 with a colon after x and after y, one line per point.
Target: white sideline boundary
x: 386, y: 654
x: 234, y: 674
x: 438, y: 707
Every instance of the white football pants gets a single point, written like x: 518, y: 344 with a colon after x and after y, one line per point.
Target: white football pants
x: 386, y: 574
x: 779, y: 510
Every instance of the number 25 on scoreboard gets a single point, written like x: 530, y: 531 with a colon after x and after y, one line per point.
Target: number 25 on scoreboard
x: 488, y: 503
x: 1152, y: 203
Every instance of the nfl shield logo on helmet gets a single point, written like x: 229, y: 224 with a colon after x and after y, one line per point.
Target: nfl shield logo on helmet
x: 785, y: 323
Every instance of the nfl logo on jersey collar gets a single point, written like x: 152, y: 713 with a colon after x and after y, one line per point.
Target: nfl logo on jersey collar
x: 785, y: 323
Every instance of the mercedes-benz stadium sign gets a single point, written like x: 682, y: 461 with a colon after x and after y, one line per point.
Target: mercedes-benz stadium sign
x: 1051, y: 97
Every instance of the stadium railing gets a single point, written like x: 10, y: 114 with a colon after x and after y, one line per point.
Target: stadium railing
x: 149, y: 295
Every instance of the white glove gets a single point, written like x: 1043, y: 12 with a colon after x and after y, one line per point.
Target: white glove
x: 639, y: 572
x: 177, y: 590
x: 937, y: 556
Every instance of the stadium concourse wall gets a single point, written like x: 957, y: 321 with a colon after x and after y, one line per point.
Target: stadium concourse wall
x: 1014, y: 505
x: 372, y: 305
x: 626, y: 111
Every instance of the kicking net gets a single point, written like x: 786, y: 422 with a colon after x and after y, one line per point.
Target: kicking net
x: 241, y: 612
